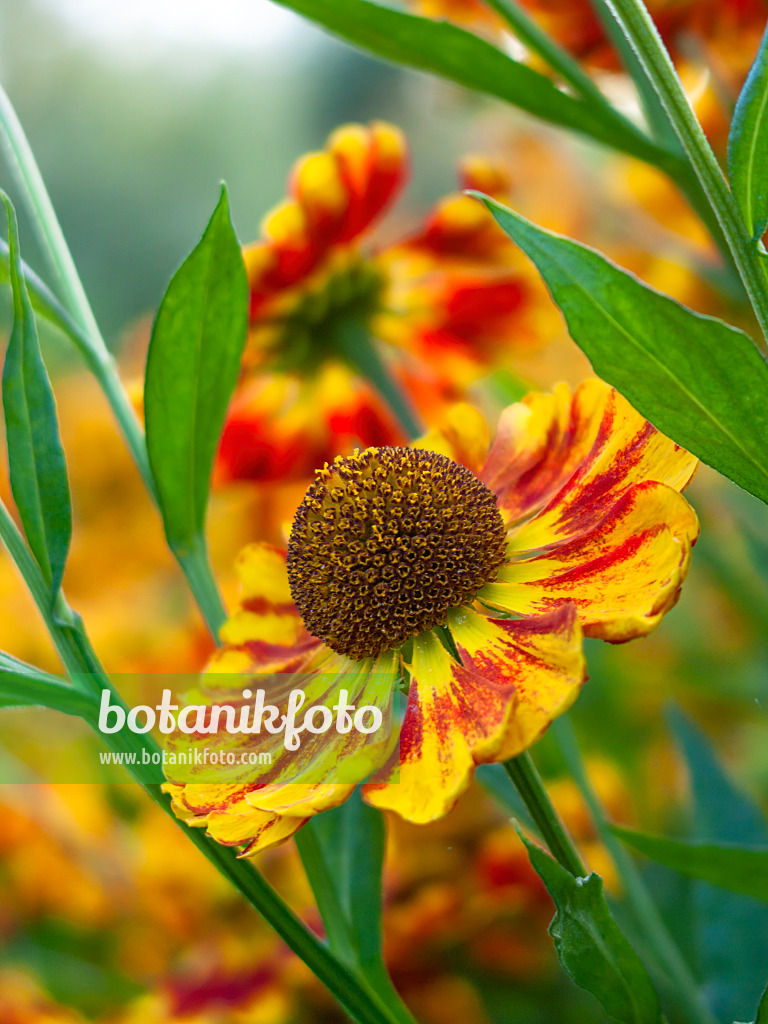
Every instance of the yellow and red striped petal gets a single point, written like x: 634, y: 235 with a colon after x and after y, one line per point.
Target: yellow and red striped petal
x: 266, y: 611
x: 623, y: 572
x: 228, y: 817
x: 516, y: 677
x: 462, y: 436
x: 577, y: 454
x: 336, y: 194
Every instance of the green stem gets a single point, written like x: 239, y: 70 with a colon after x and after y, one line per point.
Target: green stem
x: 87, y: 674
x: 358, y: 348
x: 638, y: 27
x: 654, y: 112
x: 33, y: 578
x: 29, y: 179
x: 197, y: 568
x: 351, y: 991
x: 559, y: 60
x: 522, y: 771
x: 668, y: 958
x: 99, y: 361
x: 29, y: 687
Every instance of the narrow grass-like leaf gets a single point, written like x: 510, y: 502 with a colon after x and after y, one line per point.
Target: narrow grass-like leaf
x: 740, y: 869
x: 450, y: 52
x: 748, y: 146
x: 192, y: 368
x: 45, y: 304
x: 343, y: 854
x: 38, y: 470
x: 731, y: 929
x: 591, y: 947
x: 23, y: 685
x: 699, y: 380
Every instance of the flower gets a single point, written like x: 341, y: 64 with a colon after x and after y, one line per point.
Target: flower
x: 437, y: 308
x: 471, y: 14
x: 725, y: 32
x: 470, y: 570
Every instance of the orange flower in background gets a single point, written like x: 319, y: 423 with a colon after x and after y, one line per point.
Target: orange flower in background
x: 435, y: 310
x: 725, y: 33
x: 473, y: 14
x: 571, y: 521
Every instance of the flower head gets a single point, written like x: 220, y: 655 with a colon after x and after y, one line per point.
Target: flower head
x: 439, y: 307
x: 467, y: 570
x: 727, y: 32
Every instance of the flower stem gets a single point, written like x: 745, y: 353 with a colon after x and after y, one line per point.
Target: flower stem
x: 357, y: 347
x: 89, y: 677
x: 197, y: 568
x: 639, y: 29
x: 527, y: 781
x: 559, y: 60
x: 662, y: 947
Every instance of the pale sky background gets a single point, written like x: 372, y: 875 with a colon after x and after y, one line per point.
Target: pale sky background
x: 237, y: 24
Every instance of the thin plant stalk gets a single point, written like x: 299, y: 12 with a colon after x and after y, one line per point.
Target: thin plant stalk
x: 528, y: 783
x: 88, y: 338
x: 87, y: 674
x: 639, y: 29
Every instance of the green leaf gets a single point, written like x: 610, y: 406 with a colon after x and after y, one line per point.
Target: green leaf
x: 445, y: 50
x: 192, y: 367
x: 762, y: 1010
x: 738, y: 868
x: 23, y: 685
x: 45, y: 304
x: 590, y: 945
x: 700, y: 381
x: 732, y: 929
x: 38, y: 470
x: 748, y: 146
x: 342, y: 851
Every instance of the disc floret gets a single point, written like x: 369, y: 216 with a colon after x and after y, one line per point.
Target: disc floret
x: 386, y: 542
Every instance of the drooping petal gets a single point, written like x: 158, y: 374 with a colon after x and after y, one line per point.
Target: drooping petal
x: 516, y: 677
x: 228, y: 818
x: 623, y: 571
x: 257, y: 787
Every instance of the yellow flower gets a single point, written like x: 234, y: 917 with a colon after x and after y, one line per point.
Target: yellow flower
x: 470, y: 570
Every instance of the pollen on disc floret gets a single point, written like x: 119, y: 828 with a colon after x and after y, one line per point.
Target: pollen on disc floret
x: 386, y: 542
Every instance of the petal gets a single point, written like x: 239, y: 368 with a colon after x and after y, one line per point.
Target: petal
x: 228, y: 818
x: 576, y: 454
x: 539, y: 442
x: 517, y: 676
x: 543, y: 654
x: 266, y: 610
x: 462, y: 436
x: 623, y: 575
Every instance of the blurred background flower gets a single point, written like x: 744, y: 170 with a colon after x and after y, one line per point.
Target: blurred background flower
x: 135, y: 112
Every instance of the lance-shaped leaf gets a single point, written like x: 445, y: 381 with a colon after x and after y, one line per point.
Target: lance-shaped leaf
x: 343, y: 854
x: 698, y: 380
x: 591, y: 947
x: 36, y: 463
x: 192, y: 368
x: 732, y: 930
x: 461, y: 57
x: 748, y: 146
x: 738, y: 868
